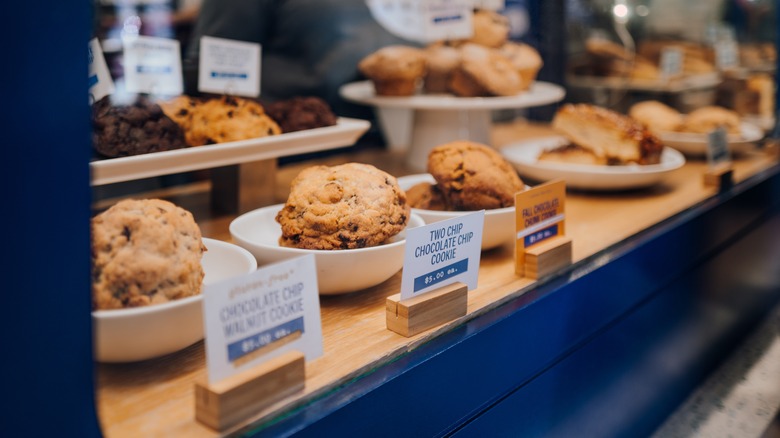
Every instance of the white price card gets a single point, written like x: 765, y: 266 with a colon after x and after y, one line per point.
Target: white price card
x: 492, y: 5
x: 447, y: 20
x: 717, y: 147
x: 442, y: 253
x: 671, y: 62
x: 229, y: 67
x: 726, y: 54
x: 100, y: 83
x: 424, y: 21
x: 256, y: 317
x: 152, y: 65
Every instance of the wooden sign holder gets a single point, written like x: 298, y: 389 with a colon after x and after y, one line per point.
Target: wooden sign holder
x: 235, y: 399
x: 548, y: 256
x: 415, y: 315
x: 720, y: 176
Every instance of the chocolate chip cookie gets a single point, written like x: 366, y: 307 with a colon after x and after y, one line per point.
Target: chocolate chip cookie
x: 347, y: 206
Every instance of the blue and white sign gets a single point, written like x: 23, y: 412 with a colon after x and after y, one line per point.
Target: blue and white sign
x: 442, y: 253
x: 718, y: 147
x: 229, y: 67
x: 671, y: 62
x: 424, y: 21
x: 152, y: 65
x: 100, y: 83
x: 253, y: 318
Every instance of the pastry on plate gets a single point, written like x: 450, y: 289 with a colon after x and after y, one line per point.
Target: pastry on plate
x: 485, y: 72
x: 526, y: 60
x: 706, y: 119
x: 301, y: 113
x: 611, y: 136
x: 657, y: 116
x: 571, y: 153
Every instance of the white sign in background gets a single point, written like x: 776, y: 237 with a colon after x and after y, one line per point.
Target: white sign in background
x: 246, y: 313
x: 718, y: 147
x: 442, y: 253
x: 671, y: 62
x: 229, y: 67
x: 100, y: 83
x: 152, y: 65
x: 424, y: 21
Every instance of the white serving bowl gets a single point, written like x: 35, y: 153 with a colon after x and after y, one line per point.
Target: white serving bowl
x: 129, y: 335
x: 338, y: 271
x: 499, y: 227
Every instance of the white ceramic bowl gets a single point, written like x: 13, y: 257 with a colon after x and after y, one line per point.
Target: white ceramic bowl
x: 129, y: 335
x: 338, y: 271
x: 499, y: 227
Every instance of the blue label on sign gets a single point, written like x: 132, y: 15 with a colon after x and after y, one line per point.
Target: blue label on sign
x: 441, y: 274
x: 92, y: 81
x: 447, y: 18
x: 540, y: 235
x: 152, y: 69
x: 247, y: 345
x: 227, y: 75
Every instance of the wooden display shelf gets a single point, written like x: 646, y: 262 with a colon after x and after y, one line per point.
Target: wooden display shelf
x: 156, y: 397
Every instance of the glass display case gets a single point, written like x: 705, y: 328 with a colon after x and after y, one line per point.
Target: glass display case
x: 666, y: 278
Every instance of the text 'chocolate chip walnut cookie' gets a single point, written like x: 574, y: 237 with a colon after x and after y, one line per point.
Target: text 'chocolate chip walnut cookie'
x: 347, y: 206
x: 144, y: 252
x: 473, y: 176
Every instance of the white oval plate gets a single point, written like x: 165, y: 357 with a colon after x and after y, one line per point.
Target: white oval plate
x: 140, y: 333
x: 523, y: 155
x: 696, y: 144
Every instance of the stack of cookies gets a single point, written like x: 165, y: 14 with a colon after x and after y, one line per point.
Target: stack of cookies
x: 487, y: 64
x: 469, y: 176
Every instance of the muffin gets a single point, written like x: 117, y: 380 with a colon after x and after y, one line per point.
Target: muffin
x: 473, y: 176
x: 144, y: 252
x: 491, y: 29
x: 442, y: 61
x: 484, y: 72
x: 526, y: 60
x: 347, y: 206
x: 394, y: 70
x: 138, y: 128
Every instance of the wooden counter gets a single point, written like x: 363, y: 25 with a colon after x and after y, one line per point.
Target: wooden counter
x: 155, y: 398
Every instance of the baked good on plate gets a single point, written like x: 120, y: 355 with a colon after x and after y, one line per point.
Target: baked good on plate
x: 571, y: 153
x: 609, y: 135
x: 300, y: 113
x: 473, y: 176
x: 426, y: 196
x: 706, y: 119
x: 526, y: 60
x: 485, y: 72
x: 140, y: 127
x: 395, y: 70
x: 442, y: 60
x: 144, y: 251
x: 656, y: 115
x: 491, y: 29
x: 347, y: 206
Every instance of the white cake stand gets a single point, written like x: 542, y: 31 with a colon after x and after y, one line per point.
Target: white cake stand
x: 421, y: 122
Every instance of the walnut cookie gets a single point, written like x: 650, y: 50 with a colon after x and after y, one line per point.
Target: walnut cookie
x: 145, y: 251
x: 347, y: 206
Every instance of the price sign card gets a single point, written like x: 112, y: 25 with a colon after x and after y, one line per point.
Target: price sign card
x: 726, y: 54
x: 100, y: 83
x: 492, y: 5
x: 447, y: 19
x: 256, y: 317
x: 152, y: 65
x: 717, y: 147
x: 442, y: 253
x: 539, y: 215
x: 671, y: 62
x: 424, y: 21
x: 229, y: 67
